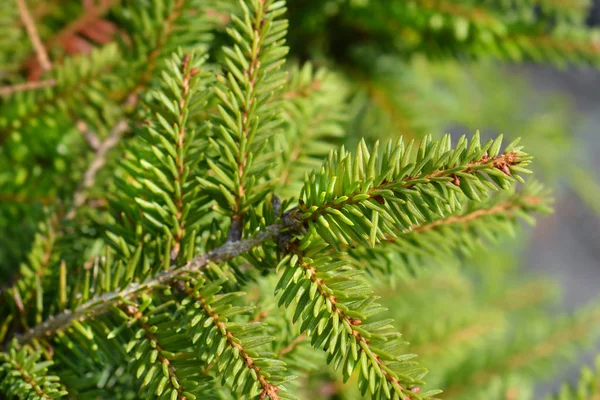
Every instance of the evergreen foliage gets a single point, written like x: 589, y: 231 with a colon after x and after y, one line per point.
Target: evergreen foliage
x: 181, y: 218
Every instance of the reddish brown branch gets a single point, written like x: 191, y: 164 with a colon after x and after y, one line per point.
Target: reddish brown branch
x: 88, y: 24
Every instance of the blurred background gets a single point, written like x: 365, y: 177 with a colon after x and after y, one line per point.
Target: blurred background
x: 566, y: 245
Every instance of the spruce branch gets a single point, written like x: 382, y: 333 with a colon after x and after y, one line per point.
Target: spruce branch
x: 73, y: 80
x: 313, y: 119
x: 506, y: 209
x: 335, y: 307
x: 215, y: 314
x: 170, y: 24
x: 22, y: 375
x: 474, y: 225
x: 246, y: 117
x: 392, y: 188
x: 101, y: 304
x: 156, y: 341
x: 33, y: 36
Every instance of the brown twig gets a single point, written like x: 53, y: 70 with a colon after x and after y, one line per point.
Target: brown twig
x: 33, y: 36
x: 21, y: 87
x: 90, y: 137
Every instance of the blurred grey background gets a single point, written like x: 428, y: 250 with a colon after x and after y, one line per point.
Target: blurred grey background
x: 566, y: 244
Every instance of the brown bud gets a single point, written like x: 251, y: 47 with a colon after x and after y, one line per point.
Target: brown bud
x: 456, y: 180
x: 379, y: 199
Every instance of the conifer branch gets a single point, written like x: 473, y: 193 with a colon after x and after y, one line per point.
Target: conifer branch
x: 187, y: 73
x: 23, y: 376
x: 167, y: 28
x: 101, y: 304
x: 246, y: 118
x: 237, y: 219
x: 334, y: 309
x: 514, y: 299
x: 355, y: 332
x: 360, y: 199
x: 29, y: 379
x: 292, y: 345
x: 33, y: 36
x: 173, y: 379
x: 453, y: 340
x: 268, y: 389
x: 501, y: 162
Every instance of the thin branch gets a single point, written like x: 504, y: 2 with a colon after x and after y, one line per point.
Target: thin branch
x: 90, y: 137
x: 24, y: 199
x: 505, y: 208
x: 33, y: 36
x: 101, y: 304
x: 89, y: 177
x: 21, y: 87
x: 293, y: 344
